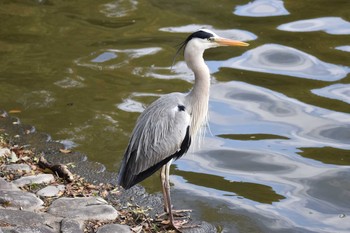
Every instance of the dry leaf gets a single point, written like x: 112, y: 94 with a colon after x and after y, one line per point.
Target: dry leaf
x: 65, y: 151
x: 137, y: 229
x: 15, y: 111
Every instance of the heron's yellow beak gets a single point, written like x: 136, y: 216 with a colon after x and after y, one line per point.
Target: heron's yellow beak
x: 228, y: 42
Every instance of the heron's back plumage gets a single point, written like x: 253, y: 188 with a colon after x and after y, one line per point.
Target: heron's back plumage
x: 162, y: 133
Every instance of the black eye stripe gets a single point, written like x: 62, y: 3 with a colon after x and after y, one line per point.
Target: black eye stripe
x: 200, y: 34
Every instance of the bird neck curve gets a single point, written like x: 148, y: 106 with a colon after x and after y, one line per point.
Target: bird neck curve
x: 195, y: 61
x: 199, y: 95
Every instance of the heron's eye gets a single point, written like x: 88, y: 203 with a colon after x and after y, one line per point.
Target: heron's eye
x: 211, y: 39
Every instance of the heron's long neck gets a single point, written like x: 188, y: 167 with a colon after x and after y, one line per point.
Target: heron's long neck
x: 199, y: 95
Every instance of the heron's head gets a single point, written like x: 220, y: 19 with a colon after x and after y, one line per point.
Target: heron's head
x: 205, y: 39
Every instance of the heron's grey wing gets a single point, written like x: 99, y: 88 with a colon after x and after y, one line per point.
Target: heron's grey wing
x: 161, y: 134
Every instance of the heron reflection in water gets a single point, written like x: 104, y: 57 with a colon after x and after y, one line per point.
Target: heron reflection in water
x: 164, y: 130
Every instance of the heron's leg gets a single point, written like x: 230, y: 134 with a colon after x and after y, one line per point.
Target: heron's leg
x: 176, y: 224
x: 163, y: 181
x: 167, y: 193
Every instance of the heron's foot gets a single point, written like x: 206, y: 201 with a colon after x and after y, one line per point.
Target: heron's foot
x: 177, y: 213
x: 179, y: 225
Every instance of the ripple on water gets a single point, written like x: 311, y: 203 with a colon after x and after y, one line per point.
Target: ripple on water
x: 114, y: 58
x: 331, y: 25
x: 279, y: 59
x: 262, y: 8
x: 73, y: 80
x: 236, y: 34
x: 338, y: 91
x: 335, y: 133
x: 119, y: 8
x: 345, y: 48
x: 131, y: 105
x: 177, y: 71
x: 334, y: 188
x: 248, y: 161
x: 249, y: 109
x: 37, y: 99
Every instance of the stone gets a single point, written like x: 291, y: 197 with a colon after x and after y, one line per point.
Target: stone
x: 50, y: 191
x: 20, y: 200
x: 71, y: 226
x: 16, y: 167
x: 112, y: 228
x: 4, y: 185
x: 83, y: 208
x: 36, y: 179
x: 15, y: 219
x: 27, y: 229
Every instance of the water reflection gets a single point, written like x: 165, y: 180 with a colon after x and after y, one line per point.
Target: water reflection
x: 118, y: 8
x: 336, y: 91
x: 244, y: 161
x: 279, y: 59
x: 131, y: 105
x: 331, y: 25
x: 345, y: 48
x: 262, y: 8
x: 324, y: 189
x: 337, y: 133
x: 256, y: 192
x: 251, y: 136
x: 72, y: 80
x: 292, y: 204
x: 114, y: 58
x: 177, y: 71
x: 268, y: 112
x: 37, y: 99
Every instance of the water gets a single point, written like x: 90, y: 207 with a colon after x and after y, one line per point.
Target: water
x: 277, y: 153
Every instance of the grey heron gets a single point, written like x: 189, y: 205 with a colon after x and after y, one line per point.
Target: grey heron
x: 164, y: 130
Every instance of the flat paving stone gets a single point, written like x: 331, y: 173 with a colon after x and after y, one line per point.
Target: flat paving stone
x: 71, y: 226
x: 27, y: 229
x: 4, y: 185
x: 16, y: 167
x: 20, y: 200
x: 112, y: 228
x: 36, y: 179
x: 84, y: 208
x: 50, y: 191
x: 20, y: 218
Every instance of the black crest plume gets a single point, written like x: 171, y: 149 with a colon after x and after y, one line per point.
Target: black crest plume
x: 198, y: 34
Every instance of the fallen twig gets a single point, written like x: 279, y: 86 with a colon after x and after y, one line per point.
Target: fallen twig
x: 60, y: 170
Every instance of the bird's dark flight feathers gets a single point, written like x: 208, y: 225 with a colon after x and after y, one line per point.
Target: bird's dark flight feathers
x: 128, y: 183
